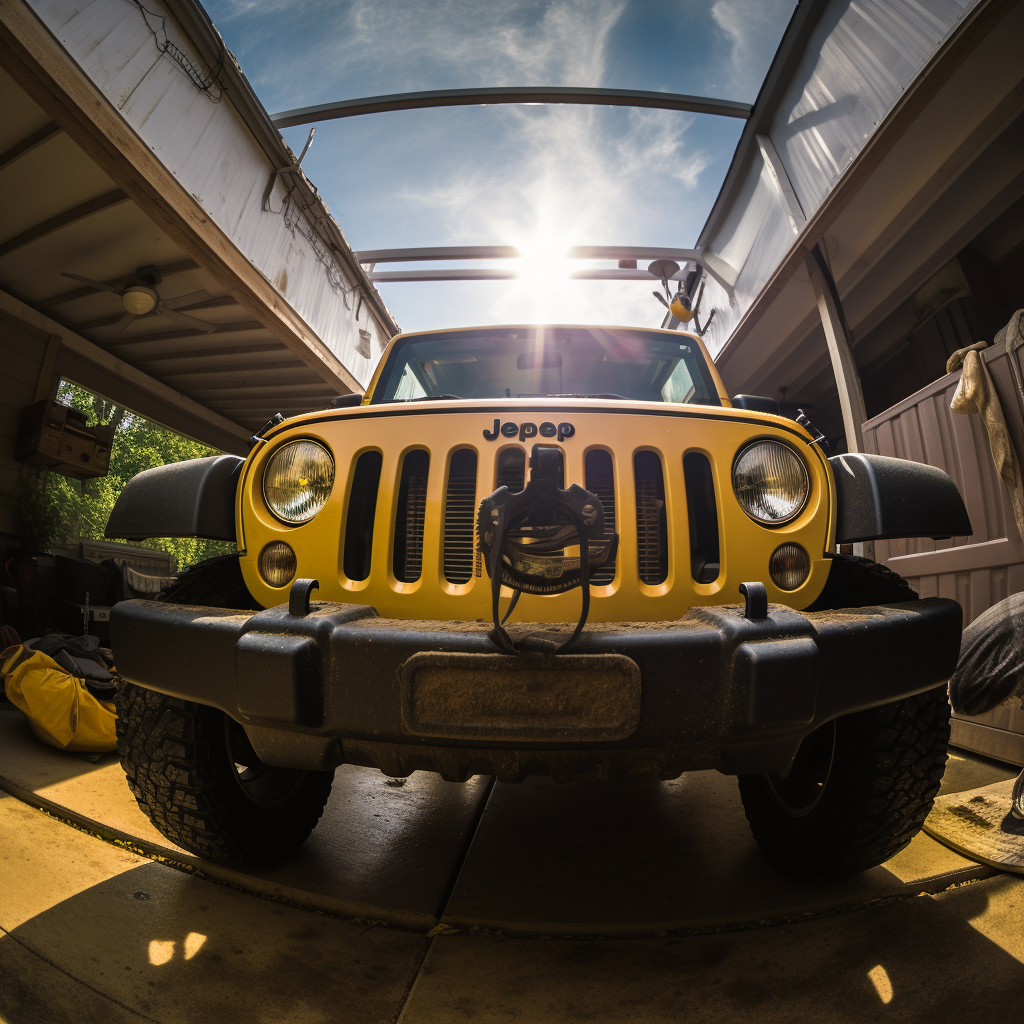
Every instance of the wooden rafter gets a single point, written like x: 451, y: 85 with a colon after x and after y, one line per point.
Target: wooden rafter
x: 62, y: 220
x: 29, y: 143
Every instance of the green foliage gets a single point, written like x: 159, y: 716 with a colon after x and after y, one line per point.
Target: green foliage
x: 63, y: 510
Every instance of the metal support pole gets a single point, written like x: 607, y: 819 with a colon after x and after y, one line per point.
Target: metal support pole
x: 840, y: 349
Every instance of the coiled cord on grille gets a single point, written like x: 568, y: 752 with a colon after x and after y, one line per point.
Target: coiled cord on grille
x: 500, y: 544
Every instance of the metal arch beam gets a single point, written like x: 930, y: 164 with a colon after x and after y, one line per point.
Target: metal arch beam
x: 430, y: 254
x: 513, y: 94
x: 713, y: 264
x: 392, y: 276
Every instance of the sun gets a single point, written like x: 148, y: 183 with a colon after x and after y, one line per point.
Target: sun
x: 544, y: 269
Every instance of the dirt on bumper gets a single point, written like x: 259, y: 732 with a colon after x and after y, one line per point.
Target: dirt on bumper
x: 711, y: 690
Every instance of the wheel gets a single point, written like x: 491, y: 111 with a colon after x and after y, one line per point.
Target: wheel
x: 216, y: 582
x: 193, y: 770
x: 860, y: 787
x: 854, y: 582
x: 858, y: 791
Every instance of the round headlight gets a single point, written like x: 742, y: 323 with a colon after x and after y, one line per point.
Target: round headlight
x: 770, y: 481
x: 789, y: 566
x: 297, y: 481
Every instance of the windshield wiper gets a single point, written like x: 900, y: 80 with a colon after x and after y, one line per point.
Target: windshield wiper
x: 432, y: 398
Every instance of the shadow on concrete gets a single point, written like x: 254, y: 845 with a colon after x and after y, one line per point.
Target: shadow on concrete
x: 950, y: 958
x: 643, y: 857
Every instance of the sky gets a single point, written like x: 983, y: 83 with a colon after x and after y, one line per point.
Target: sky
x: 544, y: 177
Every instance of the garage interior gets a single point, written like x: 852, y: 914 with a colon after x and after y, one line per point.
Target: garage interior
x: 419, y: 900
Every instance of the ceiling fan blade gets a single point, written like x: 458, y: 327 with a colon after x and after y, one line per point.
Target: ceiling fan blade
x: 123, y: 323
x: 98, y: 285
x: 186, y: 300
x: 183, y: 318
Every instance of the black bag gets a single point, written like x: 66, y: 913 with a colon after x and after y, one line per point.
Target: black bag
x: 991, y: 664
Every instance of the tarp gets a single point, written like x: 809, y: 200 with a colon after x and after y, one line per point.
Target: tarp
x: 59, y: 707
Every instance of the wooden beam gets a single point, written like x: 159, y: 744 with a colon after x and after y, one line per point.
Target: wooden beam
x: 39, y: 64
x: 31, y: 142
x: 118, y: 340
x: 210, y: 353
x: 48, y: 377
x: 109, y: 321
x: 109, y: 366
x: 62, y: 220
x: 249, y: 367
x: 840, y: 349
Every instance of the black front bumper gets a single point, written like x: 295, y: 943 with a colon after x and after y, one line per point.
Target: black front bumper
x: 712, y: 690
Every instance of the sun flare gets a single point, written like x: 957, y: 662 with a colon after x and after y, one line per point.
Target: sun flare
x: 544, y: 269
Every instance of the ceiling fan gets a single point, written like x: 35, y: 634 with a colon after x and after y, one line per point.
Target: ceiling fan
x: 140, y: 298
x: 685, y: 304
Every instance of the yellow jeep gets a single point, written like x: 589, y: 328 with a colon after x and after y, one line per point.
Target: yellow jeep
x: 540, y: 550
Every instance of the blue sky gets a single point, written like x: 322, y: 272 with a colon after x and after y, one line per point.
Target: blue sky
x: 544, y: 177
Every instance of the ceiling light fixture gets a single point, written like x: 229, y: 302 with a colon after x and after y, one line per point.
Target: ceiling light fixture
x: 139, y: 300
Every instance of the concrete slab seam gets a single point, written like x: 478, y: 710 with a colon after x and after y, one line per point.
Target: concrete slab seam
x: 81, y: 981
x: 471, y: 833
x: 624, y: 934
x: 113, y: 838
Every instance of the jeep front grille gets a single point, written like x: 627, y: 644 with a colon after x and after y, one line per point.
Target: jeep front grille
x: 460, y: 517
x: 409, y: 516
x: 662, y: 504
x: 600, y: 480
x: 651, y: 522
x: 703, y: 517
x: 362, y: 507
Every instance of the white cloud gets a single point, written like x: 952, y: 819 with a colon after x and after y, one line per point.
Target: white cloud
x: 584, y: 175
x: 747, y: 24
x: 588, y: 175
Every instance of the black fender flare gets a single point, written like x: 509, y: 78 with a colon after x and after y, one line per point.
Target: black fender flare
x: 881, y: 498
x: 185, y: 499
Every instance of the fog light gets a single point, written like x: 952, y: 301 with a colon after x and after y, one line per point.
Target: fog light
x: 789, y: 566
x: 277, y: 563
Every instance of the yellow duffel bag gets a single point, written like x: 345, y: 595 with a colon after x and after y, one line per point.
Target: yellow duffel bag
x: 58, y: 705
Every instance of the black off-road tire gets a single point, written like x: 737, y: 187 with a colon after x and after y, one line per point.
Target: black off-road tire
x: 194, y: 772
x: 216, y: 582
x: 884, y: 772
x: 182, y: 772
x: 854, y: 582
x: 860, y: 787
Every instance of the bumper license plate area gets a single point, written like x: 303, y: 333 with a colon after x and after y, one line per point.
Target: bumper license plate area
x: 497, y: 698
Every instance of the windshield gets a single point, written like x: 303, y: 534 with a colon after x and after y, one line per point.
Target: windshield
x: 546, y: 362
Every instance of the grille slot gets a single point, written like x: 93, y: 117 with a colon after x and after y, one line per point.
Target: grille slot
x: 651, y: 523
x: 362, y: 507
x: 460, y: 517
x: 409, y: 517
x: 511, y: 472
x: 705, y: 561
x: 600, y: 480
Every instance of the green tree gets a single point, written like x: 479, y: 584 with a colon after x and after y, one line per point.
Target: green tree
x: 60, y: 510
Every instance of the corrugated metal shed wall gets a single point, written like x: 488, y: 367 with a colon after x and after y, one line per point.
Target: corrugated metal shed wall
x: 209, y: 148
x: 860, y: 58
x: 980, y: 570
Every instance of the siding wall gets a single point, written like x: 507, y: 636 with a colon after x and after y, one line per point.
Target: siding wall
x: 21, y: 356
x: 214, y: 155
x: 981, y: 570
x: 859, y: 60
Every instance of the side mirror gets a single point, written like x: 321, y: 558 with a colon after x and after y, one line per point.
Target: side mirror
x: 756, y: 403
x: 347, y: 401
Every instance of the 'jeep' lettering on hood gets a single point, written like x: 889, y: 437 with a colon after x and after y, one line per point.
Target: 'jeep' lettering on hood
x: 525, y: 430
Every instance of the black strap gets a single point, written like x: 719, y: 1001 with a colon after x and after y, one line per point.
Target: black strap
x: 499, y: 635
